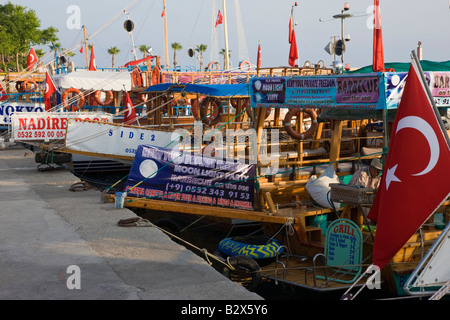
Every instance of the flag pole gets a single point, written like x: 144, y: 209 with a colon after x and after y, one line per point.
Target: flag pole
x: 430, y: 96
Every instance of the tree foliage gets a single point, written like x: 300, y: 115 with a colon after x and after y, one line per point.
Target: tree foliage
x: 19, y: 31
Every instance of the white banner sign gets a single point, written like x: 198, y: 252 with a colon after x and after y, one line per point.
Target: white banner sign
x: 46, y: 126
x: 111, y: 139
x: 7, y: 109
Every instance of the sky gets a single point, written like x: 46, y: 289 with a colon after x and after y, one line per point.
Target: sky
x: 189, y: 22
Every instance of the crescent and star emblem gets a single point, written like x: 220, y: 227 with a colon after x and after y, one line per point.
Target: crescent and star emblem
x: 129, y: 110
x: 422, y: 126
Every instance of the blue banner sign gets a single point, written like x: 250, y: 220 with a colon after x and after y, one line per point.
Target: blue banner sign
x: 165, y: 174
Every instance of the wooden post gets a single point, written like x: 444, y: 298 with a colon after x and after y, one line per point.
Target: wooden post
x: 335, y: 147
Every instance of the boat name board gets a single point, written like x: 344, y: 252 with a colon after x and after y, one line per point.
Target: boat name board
x: 10, y: 108
x: 48, y: 126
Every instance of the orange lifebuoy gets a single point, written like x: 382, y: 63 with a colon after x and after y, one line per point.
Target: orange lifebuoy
x: 136, y: 77
x: 194, y: 107
x: 213, y: 117
x: 33, y: 83
x: 156, y: 75
x: 241, y: 65
x: 108, y: 99
x: 68, y: 100
x: 293, y: 133
x: 213, y: 65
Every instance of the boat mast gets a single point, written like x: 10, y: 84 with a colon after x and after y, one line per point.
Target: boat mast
x: 85, y: 47
x: 226, y: 58
x: 165, y: 34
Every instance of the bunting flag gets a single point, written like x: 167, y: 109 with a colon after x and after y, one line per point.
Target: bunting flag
x: 92, y: 65
x: 81, y: 49
x: 50, y: 88
x: 378, y: 51
x: 415, y: 179
x: 293, y: 53
x: 129, y: 116
x: 31, y: 59
x: 219, y: 19
x: 163, y: 13
x: 258, y: 58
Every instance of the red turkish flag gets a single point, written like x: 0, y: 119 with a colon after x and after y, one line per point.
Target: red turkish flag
x: 31, y: 59
x: 416, y: 174
x: 293, y: 53
x: 129, y: 116
x: 378, y: 51
x: 50, y: 88
x: 92, y: 65
x: 219, y: 19
x: 258, y: 58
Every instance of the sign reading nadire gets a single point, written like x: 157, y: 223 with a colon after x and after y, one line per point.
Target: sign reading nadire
x: 49, y: 125
x: 165, y: 174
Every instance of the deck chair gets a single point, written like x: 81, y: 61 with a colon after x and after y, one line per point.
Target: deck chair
x: 343, y: 251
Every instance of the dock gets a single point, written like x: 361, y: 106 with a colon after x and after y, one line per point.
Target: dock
x: 58, y: 244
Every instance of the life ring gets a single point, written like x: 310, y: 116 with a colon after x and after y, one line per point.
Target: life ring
x: 136, y: 77
x: 108, y: 99
x: 213, y: 117
x: 33, y: 87
x: 247, y: 264
x: 241, y: 65
x: 79, y: 99
x: 3, y: 94
x: 194, y: 107
x: 249, y: 110
x: 212, y: 66
x: 156, y: 75
x: 254, y: 247
x: 292, y: 132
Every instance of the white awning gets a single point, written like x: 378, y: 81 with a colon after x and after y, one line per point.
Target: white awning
x: 95, y: 80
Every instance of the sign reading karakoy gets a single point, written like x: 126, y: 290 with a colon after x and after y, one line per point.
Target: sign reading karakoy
x: 49, y: 125
x: 355, y: 92
x: 165, y: 174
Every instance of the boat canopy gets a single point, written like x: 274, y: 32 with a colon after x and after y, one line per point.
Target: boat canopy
x: 427, y: 65
x: 214, y: 90
x: 96, y: 80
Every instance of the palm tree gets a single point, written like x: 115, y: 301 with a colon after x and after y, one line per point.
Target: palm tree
x: 143, y: 48
x: 223, y: 54
x: 175, y: 46
x: 200, y: 49
x: 113, y: 51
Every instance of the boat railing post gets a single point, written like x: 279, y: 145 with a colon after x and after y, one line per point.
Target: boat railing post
x: 321, y: 255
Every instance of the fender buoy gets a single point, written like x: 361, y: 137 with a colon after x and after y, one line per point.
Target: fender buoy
x: 19, y: 86
x: 108, y: 99
x: 212, y: 117
x: 136, y: 77
x: 244, y: 263
x: 212, y: 66
x: 242, y: 63
x: 34, y: 85
x: 293, y: 133
x: 68, y: 100
x: 3, y: 94
x: 156, y: 75
x: 254, y: 247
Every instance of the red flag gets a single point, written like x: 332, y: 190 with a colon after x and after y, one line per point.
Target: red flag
x: 129, y: 116
x: 293, y: 53
x: 258, y: 59
x: 415, y: 179
x: 31, y: 59
x: 163, y: 13
x: 92, y: 65
x: 378, y: 52
x: 81, y: 49
x: 219, y: 19
x: 50, y: 88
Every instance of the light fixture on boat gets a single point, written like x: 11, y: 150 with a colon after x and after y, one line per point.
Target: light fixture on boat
x: 337, y: 66
x: 346, y: 6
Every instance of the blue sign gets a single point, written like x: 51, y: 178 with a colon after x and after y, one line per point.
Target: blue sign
x: 165, y: 174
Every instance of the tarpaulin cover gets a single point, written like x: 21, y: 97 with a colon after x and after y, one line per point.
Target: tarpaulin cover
x: 214, y: 90
x: 95, y: 80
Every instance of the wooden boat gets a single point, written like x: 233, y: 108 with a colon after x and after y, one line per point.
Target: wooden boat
x: 282, y: 204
